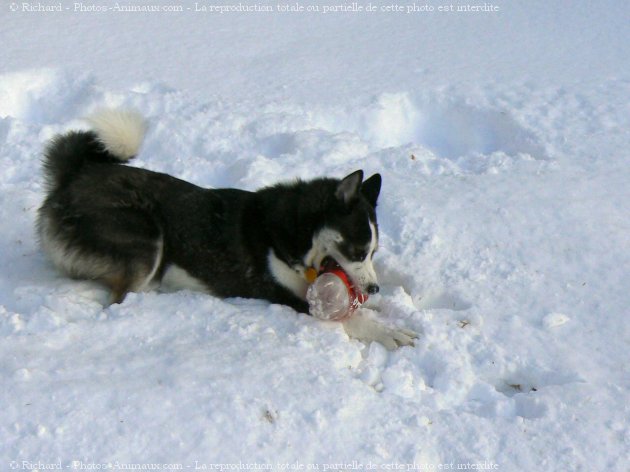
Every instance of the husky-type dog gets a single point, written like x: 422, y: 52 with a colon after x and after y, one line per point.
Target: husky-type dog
x: 134, y: 229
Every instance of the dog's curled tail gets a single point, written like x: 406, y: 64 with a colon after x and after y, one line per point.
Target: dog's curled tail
x: 121, y: 132
x: 116, y: 137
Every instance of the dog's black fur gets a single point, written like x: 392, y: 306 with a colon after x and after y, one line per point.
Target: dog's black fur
x: 118, y: 224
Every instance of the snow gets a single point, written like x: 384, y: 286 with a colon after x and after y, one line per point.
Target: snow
x: 505, y: 240
x: 553, y: 320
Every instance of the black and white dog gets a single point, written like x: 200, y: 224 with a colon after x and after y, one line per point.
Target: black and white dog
x: 134, y: 229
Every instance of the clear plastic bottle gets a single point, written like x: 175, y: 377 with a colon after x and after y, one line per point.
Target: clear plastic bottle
x: 331, y: 296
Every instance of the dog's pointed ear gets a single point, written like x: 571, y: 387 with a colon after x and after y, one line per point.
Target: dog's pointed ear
x: 348, y: 188
x: 371, y: 188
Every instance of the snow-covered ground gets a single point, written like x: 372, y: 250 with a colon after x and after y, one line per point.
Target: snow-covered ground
x: 503, y: 142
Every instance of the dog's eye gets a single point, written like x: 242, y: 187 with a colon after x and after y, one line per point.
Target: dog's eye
x: 360, y: 255
x: 354, y: 253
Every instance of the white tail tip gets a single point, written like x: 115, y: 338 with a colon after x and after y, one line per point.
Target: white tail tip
x: 120, y: 131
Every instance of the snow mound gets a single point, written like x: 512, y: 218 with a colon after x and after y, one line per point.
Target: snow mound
x: 43, y: 96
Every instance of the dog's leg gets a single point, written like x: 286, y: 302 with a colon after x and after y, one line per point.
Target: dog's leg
x: 119, y: 285
x: 360, y: 327
x: 135, y: 250
x: 120, y: 247
x: 134, y: 278
x: 136, y: 273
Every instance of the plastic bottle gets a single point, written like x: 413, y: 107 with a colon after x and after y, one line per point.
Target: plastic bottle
x: 332, y: 297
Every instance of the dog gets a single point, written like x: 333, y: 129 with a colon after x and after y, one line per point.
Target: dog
x: 134, y: 229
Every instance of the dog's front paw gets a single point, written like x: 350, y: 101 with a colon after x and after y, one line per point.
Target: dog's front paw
x: 367, y: 330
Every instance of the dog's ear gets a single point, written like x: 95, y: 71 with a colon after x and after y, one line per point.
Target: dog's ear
x: 371, y: 188
x: 348, y: 189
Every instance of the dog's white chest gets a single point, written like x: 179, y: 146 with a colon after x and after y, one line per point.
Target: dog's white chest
x: 287, y: 276
x: 175, y: 278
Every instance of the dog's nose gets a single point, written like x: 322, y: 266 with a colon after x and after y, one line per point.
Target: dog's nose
x: 372, y: 289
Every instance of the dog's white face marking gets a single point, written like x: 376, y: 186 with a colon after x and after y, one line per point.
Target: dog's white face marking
x: 323, y: 243
x: 326, y: 243
x: 362, y: 273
